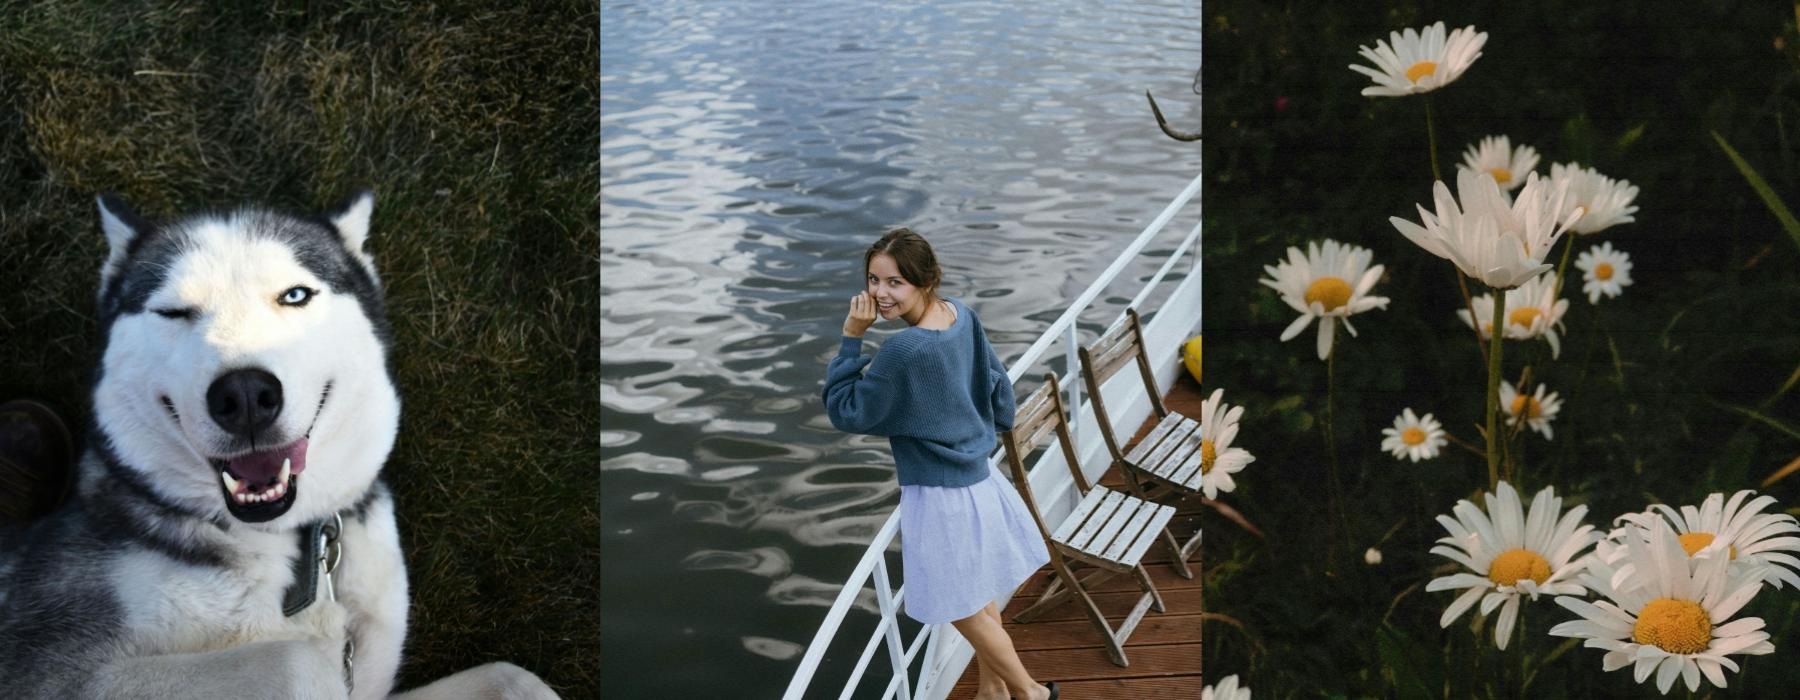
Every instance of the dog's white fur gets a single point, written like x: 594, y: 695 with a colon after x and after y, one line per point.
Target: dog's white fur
x: 188, y: 630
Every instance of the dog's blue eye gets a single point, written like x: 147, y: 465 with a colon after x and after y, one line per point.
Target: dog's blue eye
x: 297, y: 296
x: 182, y: 314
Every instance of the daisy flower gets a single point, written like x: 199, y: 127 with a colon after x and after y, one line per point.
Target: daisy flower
x: 1419, y: 61
x: 1511, y: 553
x: 1670, y: 614
x: 1603, y: 271
x: 1318, y: 285
x: 1602, y: 200
x: 1496, y: 157
x: 1750, y: 537
x: 1532, y: 311
x: 1536, y: 410
x: 1498, y: 240
x: 1218, y: 459
x: 1414, y: 437
x: 1227, y: 689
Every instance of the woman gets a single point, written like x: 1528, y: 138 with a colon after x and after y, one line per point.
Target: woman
x: 939, y: 393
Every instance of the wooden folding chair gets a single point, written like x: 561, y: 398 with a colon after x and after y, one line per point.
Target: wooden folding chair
x: 1169, y: 458
x: 1108, y: 531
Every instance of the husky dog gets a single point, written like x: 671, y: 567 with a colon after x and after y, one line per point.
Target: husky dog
x: 231, y: 536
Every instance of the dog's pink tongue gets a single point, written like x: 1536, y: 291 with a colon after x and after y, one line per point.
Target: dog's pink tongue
x: 263, y: 467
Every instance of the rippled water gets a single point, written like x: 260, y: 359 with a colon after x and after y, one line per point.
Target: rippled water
x: 749, y: 153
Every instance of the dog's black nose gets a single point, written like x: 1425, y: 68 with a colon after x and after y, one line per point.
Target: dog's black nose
x: 244, y: 401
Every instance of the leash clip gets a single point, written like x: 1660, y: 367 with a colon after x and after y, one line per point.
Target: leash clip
x: 331, y: 553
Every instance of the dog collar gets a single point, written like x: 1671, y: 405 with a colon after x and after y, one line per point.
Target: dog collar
x: 320, y: 552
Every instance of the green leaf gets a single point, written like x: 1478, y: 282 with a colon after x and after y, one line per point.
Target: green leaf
x: 1408, y: 678
x: 1761, y: 417
x: 1578, y: 139
x: 1763, y: 190
x: 1630, y: 137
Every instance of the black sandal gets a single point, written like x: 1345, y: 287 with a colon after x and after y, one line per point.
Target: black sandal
x: 37, y: 455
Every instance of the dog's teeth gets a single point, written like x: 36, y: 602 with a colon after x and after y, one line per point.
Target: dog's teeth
x: 286, y: 471
x: 231, y: 485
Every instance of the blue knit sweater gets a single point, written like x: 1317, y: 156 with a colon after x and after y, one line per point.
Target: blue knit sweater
x: 938, y: 396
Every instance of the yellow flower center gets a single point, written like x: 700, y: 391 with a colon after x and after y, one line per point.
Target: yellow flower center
x: 1330, y: 292
x: 1501, y: 175
x: 1420, y: 70
x: 1515, y: 565
x: 1208, y: 455
x: 1524, y: 316
x: 1412, y: 436
x: 1695, y: 541
x: 1603, y: 272
x: 1529, y: 405
x: 1677, y: 626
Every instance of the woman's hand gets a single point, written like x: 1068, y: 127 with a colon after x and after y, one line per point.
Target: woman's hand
x: 862, y: 315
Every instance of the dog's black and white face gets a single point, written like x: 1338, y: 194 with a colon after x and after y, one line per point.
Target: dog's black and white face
x: 245, y: 368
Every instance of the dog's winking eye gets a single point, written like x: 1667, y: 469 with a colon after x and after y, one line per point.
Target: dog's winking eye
x: 297, y: 296
x: 181, y: 314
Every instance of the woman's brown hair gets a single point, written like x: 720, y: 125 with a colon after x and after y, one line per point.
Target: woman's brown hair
x: 918, y: 265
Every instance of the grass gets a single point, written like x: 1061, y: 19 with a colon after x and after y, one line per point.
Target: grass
x: 474, y: 126
x: 1672, y: 391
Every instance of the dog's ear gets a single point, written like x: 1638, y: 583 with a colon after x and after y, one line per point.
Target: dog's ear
x: 351, y: 219
x: 122, y: 226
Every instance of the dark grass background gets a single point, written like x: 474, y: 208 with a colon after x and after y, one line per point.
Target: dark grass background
x: 474, y: 123
x: 1649, y: 379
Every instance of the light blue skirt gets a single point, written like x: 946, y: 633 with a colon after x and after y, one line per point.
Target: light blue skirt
x: 963, y: 547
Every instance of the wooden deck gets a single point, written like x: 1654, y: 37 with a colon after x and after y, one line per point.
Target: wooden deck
x: 1164, y: 650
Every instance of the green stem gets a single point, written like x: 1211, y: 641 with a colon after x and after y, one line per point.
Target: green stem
x: 1431, y: 132
x: 1564, y: 265
x: 1493, y: 390
x: 1331, y: 428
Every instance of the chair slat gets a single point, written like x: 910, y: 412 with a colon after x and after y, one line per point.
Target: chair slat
x: 1033, y: 413
x: 1184, y: 429
x: 1103, y: 536
x: 1171, y: 427
x: 1185, y: 466
x: 1097, y: 520
x: 1154, y: 527
x: 1130, y: 530
x: 1109, y: 362
x: 1079, y: 516
x: 1119, y: 334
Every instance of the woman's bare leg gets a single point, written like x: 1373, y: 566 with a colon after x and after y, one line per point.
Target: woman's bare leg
x: 990, y: 686
x: 994, y: 650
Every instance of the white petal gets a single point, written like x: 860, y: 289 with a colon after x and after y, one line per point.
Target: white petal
x: 1493, y: 600
x: 1711, y: 669
x: 1459, y: 605
x: 1294, y: 328
x: 1665, y: 674
x: 1509, y: 614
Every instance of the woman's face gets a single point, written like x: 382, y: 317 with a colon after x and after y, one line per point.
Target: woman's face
x: 894, y: 296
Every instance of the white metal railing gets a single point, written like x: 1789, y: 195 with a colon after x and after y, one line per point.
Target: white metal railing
x: 945, y: 652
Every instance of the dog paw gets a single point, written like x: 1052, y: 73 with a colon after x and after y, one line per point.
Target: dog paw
x: 498, y: 680
x: 301, y: 669
x: 507, y: 681
x: 326, y: 625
